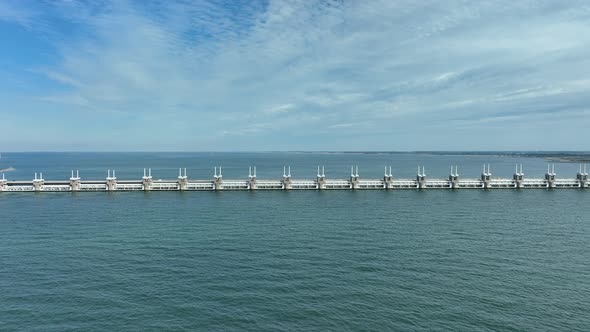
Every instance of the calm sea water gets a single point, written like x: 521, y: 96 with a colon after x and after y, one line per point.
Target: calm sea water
x: 468, y: 260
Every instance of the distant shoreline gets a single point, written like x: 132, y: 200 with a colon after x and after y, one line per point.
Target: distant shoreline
x: 572, y: 159
x: 564, y: 157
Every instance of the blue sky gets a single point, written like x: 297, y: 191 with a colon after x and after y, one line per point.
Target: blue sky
x: 294, y: 75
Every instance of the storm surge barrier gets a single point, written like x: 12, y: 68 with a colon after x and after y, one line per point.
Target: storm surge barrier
x: 321, y: 182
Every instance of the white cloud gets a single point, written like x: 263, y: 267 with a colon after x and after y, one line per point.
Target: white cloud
x: 341, y: 125
x: 286, y: 108
x: 262, y: 72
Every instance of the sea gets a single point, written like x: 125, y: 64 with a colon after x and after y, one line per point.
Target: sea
x: 405, y: 260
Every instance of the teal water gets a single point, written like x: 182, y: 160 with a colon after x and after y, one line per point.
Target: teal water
x: 472, y: 260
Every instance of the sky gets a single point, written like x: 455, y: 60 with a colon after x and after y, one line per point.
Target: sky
x: 232, y: 75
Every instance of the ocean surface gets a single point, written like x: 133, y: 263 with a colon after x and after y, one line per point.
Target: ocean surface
x: 433, y: 260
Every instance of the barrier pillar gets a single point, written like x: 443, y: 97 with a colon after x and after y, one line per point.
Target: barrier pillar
x: 550, y: 176
x: 3, y: 183
x: 321, y: 179
x: 518, y: 177
x: 582, y: 177
x: 454, y: 177
x: 218, y: 180
x: 388, y: 178
x: 147, y: 180
x: 252, y: 181
x: 287, y: 184
x: 421, y: 178
x: 111, y: 181
x: 486, y: 176
x: 182, y: 180
x: 75, y: 181
x: 354, y: 178
x: 38, y: 182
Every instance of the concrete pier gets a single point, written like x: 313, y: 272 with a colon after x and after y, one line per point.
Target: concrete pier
x: 38, y: 182
x: 218, y: 180
x: 111, y: 181
x: 147, y: 180
x: 252, y: 184
x: 354, y: 178
x: 287, y: 183
x: 486, y: 177
x: 321, y: 179
x: 421, y: 178
x: 3, y: 182
x: 518, y: 177
x: 182, y: 183
x: 550, y: 176
x: 75, y: 181
x: 182, y: 180
x: 454, y: 177
x: 388, y: 178
x: 582, y: 177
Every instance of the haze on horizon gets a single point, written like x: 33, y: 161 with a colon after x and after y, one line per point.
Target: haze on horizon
x: 294, y: 75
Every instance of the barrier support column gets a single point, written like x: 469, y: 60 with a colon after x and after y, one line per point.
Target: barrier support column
x: 147, y: 180
x: 252, y: 181
x: 550, y: 176
x: 321, y: 179
x: 354, y: 178
x: 582, y: 177
x: 111, y: 181
x: 3, y: 183
x: 287, y: 184
x: 421, y: 178
x: 486, y: 176
x: 218, y: 180
x: 388, y: 178
x: 182, y: 180
x: 454, y: 177
x: 38, y: 182
x: 75, y: 181
x: 518, y: 177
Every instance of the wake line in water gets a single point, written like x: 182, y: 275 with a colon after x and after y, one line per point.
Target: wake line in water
x: 9, y: 169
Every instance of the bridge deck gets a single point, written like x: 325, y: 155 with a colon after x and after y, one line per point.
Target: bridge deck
x: 284, y: 184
